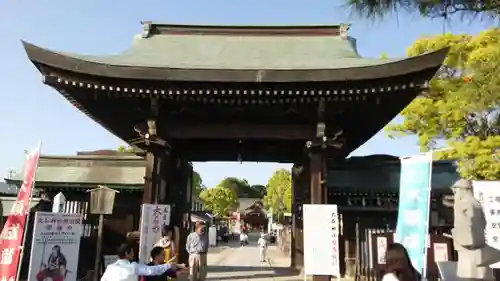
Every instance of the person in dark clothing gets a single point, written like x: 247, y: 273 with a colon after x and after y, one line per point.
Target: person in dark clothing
x: 55, y: 267
x: 158, y: 257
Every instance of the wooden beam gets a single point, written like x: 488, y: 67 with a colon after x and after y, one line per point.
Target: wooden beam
x: 240, y: 131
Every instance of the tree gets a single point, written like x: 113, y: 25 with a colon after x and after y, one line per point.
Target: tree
x: 259, y: 188
x: 197, y: 184
x: 241, y: 187
x: 428, y: 8
x: 460, y: 108
x: 219, y: 200
x: 279, y: 192
x: 125, y: 149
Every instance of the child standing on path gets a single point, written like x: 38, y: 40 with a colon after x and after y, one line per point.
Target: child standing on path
x: 262, y: 247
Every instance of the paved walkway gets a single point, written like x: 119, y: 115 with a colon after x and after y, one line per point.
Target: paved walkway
x: 243, y: 263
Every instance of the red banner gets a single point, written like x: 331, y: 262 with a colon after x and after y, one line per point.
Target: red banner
x: 11, y: 236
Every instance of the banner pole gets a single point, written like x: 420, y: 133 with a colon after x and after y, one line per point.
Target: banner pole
x: 28, y: 215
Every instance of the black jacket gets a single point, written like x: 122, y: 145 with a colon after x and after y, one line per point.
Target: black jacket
x: 169, y: 273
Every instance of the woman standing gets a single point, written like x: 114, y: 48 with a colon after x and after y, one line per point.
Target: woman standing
x: 398, y: 265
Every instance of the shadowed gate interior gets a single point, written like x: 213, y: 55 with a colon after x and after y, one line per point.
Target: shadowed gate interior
x: 288, y: 94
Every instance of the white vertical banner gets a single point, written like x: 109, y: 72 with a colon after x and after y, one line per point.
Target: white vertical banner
x: 55, y: 247
x: 321, y: 239
x: 153, y: 218
x: 488, y: 194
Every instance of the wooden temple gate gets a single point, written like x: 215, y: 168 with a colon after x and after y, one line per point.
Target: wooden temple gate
x: 289, y: 94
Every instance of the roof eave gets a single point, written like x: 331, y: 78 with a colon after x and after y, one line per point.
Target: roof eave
x: 41, y: 56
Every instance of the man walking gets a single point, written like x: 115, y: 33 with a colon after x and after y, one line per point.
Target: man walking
x: 197, y: 247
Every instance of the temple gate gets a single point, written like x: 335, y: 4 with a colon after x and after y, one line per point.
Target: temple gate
x: 289, y: 94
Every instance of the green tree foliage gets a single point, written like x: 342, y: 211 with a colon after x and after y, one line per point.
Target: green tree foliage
x: 241, y: 187
x: 219, y: 200
x: 279, y: 192
x: 197, y: 184
x: 123, y: 148
x: 461, y: 105
x: 260, y: 188
x: 429, y: 8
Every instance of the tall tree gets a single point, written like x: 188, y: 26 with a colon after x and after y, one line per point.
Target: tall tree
x: 259, y: 188
x: 219, y: 200
x: 279, y: 192
x: 241, y: 187
x: 460, y: 108
x: 428, y: 8
x: 197, y: 184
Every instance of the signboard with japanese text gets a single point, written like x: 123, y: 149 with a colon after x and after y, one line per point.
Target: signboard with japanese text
x: 55, y: 246
x: 11, y: 237
x: 414, y: 205
x: 440, y: 252
x: 381, y: 249
x: 321, y: 240
x: 153, y: 218
x: 488, y: 194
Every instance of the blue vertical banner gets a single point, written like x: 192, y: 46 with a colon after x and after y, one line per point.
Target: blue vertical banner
x: 414, y: 207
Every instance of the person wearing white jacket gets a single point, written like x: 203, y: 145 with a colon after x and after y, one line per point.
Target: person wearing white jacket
x: 243, y: 239
x: 125, y: 269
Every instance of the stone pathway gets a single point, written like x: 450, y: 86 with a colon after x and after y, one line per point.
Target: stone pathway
x: 243, y: 263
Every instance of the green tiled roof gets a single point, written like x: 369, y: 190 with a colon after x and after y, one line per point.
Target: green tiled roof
x: 238, y: 54
x: 194, y: 51
x: 89, y: 169
x: 191, y: 47
x: 8, y: 203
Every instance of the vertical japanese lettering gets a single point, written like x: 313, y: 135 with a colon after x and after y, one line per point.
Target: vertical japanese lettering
x: 7, y: 256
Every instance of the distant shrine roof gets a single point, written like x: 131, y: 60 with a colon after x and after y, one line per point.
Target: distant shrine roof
x: 238, y: 54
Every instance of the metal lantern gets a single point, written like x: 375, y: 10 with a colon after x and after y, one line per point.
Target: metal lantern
x: 102, y: 200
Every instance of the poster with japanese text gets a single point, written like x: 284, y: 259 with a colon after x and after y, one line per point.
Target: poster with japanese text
x: 321, y: 240
x: 55, y: 247
x: 153, y: 218
x: 414, y: 205
x: 12, y: 233
x: 488, y: 194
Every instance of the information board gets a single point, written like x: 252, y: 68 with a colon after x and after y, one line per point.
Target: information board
x: 321, y: 240
x: 488, y: 194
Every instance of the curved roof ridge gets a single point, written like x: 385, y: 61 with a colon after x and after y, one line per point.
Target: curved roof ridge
x: 153, y: 28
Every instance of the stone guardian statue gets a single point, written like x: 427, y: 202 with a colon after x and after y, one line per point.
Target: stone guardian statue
x: 474, y: 255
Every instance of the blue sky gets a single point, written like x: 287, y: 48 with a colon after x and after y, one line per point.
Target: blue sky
x: 31, y: 111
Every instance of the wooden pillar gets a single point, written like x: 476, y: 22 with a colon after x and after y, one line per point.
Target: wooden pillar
x: 175, y: 177
x: 317, y: 187
x: 301, y: 195
x: 183, y: 206
x: 295, y: 218
x: 150, y: 179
